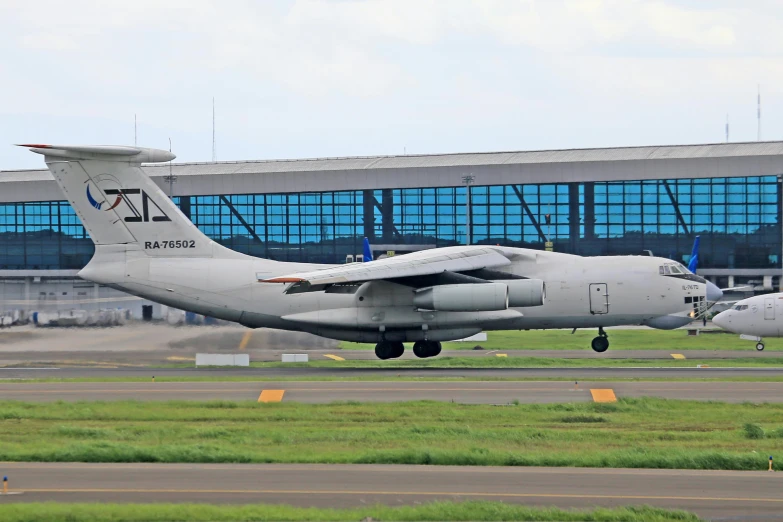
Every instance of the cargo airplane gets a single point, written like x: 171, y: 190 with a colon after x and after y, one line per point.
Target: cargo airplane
x: 146, y: 247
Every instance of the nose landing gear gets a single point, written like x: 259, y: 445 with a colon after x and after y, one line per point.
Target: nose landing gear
x: 759, y: 346
x: 601, y: 343
x: 389, y: 350
x: 424, y: 349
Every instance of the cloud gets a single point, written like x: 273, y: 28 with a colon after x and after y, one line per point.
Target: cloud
x: 328, y: 77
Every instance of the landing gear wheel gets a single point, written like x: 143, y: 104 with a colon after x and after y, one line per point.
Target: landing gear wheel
x: 397, y: 350
x: 384, y: 350
x: 424, y: 349
x: 759, y: 346
x: 600, y: 344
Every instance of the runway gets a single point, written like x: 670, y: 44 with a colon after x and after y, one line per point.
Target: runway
x: 719, y: 494
x: 466, y: 392
x: 304, y: 372
x: 162, y: 357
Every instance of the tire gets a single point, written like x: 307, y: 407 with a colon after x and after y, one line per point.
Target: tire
x: 397, y: 349
x: 600, y: 344
x: 436, y: 348
x: 759, y: 346
x: 420, y: 349
x: 383, y: 351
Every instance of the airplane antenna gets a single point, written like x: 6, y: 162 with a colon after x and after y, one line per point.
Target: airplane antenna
x: 135, y: 134
x: 758, y: 111
x: 214, y: 145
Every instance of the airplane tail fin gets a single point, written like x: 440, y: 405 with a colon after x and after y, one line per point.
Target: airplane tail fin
x: 693, y: 263
x: 119, y: 204
x: 367, y: 250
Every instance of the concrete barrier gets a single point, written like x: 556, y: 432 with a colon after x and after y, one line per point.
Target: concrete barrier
x: 222, y: 359
x: 295, y: 357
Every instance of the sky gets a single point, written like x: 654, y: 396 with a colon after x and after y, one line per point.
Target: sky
x: 326, y: 78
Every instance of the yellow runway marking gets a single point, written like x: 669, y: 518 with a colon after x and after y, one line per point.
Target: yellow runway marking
x: 245, y: 339
x: 271, y: 396
x: 501, y: 355
x: 333, y: 357
x: 678, y: 356
x: 605, y: 395
x: 408, y: 493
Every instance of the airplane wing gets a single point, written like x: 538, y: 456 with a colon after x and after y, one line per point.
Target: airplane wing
x: 423, y: 263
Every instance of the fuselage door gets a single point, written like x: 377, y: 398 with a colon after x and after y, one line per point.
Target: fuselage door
x: 599, y: 298
x: 769, y: 308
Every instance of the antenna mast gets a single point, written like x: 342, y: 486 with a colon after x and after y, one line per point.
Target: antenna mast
x: 214, y: 145
x: 758, y: 112
x: 727, y: 128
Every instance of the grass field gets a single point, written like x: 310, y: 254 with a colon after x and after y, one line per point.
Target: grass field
x: 633, y: 433
x: 478, y: 511
x: 395, y: 377
x: 621, y: 339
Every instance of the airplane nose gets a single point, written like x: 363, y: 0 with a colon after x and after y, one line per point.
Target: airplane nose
x: 720, y: 319
x: 714, y: 293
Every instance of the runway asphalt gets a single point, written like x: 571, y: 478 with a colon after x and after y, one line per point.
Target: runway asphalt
x: 691, y: 372
x: 468, y: 392
x: 162, y: 357
x: 713, y: 494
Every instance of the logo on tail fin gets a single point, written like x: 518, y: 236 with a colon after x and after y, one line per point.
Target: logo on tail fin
x: 99, y: 204
x: 143, y: 210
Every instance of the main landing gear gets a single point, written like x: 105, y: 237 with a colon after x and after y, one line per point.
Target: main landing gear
x: 759, y: 346
x: 389, y: 350
x: 601, y: 343
x: 425, y: 349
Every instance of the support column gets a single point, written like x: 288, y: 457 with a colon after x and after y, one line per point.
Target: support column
x: 589, y: 217
x: 184, y: 205
x: 368, y: 214
x: 573, y: 218
x: 387, y: 215
x: 27, y: 303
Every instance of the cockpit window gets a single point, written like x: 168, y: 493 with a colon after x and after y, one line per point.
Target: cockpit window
x: 666, y: 269
x: 741, y: 307
x: 675, y: 270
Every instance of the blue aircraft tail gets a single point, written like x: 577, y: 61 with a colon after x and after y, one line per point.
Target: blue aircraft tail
x: 367, y: 250
x: 693, y: 264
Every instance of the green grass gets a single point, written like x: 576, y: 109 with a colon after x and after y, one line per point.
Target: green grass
x: 621, y: 339
x: 395, y: 377
x: 474, y: 510
x: 633, y: 433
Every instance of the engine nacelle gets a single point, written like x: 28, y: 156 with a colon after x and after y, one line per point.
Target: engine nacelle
x: 526, y: 292
x: 463, y: 298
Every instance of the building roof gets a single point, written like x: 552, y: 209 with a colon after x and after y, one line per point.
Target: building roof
x: 651, y: 162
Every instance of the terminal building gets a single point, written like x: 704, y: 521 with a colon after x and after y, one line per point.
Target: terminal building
x: 610, y: 201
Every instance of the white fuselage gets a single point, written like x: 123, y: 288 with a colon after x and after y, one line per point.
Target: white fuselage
x: 759, y: 316
x: 580, y: 292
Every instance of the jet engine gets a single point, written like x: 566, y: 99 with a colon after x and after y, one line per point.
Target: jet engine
x: 463, y: 297
x: 526, y: 292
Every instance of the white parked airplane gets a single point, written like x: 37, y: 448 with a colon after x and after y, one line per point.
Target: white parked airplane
x: 145, y: 246
x: 754, y: 318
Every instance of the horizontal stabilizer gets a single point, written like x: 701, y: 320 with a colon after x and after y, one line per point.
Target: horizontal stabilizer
x: 103, y: 152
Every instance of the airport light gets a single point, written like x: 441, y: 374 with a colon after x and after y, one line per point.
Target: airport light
x: 467, y: 180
